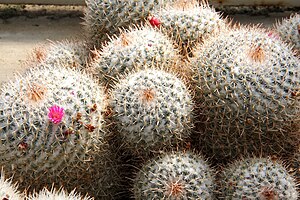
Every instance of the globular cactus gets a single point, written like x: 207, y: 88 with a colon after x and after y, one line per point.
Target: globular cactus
x: 8, y: 190
x: 69, y: 53
x: 135, y: 47
x: 180, y: 175
x: 54, y: 194
x: 104, y: 17
x: 153, y: 111
x: 257, y: 178
x: 187, y: 21
x: 247, y: 85
x: 289, y: 30
x: 52, y: 130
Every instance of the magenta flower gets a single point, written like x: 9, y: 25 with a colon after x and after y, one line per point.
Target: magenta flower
x: 154, y: 21
x: 56, y: 114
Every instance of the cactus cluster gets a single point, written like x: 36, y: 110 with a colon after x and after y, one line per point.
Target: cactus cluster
x: 257, y: 178
x: 247, y: 88
x: 135, y: 47
x: 180, y: 175
x: 152, y: 110
x: 88, y: 114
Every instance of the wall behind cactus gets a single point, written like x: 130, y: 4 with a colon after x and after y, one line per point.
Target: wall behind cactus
x: 24, y: 27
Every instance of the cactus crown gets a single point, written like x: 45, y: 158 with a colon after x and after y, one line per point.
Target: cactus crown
x: 135, y: 47
x: 247, y: 86
x: 260, y: 178
x: 50, y: 110
x: 256, y: 53
x: 153, y: 109
x: 185, y: 4
x: 69, y: 53
x: 180, y: 175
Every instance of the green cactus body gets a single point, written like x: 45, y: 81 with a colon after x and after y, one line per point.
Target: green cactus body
x: 247, y: 92
x: 187, y: 22
x: 153, y: 110
x: 257, y: 178
x: 289, y: 30
x: 9, y: 190
x: 52, y: 131
x: 134, y: 47
x: 53, y: 194
x: 73, y: 54
x: 175, y: 176
x: 105, y: 17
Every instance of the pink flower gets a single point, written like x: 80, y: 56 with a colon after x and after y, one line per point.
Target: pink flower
x: 154, y: 21
x: 56, y: 114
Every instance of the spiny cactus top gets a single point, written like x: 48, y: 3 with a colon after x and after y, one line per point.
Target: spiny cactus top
x: 54, y: 194
x: 153, y: 110
x: 257, y: 178
x: 175, y: 176
x: 188, y: 21
x: 8, y: 191
x: 248, y: 92
x: 103, y: 18
x: 73, y: 54
x: 137, y: 46
x: 50, y: 118
x: 289, y: 30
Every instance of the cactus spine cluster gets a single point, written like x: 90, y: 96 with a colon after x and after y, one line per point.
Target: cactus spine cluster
x: 188, y: 22
x: 152, y: 109
x: 105, y: 17
x: 60, y: 194
x: 69, y: 53
x: 247, y: 88
x: 181, y: 175
x: 257, y: 178
x: 289, y: 30
x: 295, y: 166
x: 135, y: 47
x: 8, y: 190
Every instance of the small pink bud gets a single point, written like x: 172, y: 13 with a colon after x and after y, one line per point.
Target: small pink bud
x: 56, y: 114
x: 273, y: 35
x: 154, y: 21
x: 270, y: 34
